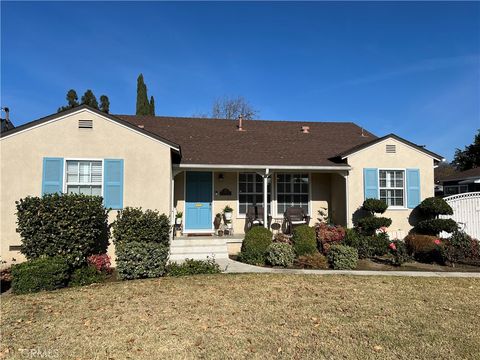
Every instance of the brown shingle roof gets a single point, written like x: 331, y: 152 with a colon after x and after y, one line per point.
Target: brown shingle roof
x: 280, y: 143
x: 467, y: 174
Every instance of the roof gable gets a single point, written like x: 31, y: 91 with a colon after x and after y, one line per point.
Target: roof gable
x: 64, y: 114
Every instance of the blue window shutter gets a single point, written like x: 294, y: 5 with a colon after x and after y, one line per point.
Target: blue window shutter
x: 413, y: 188
x: 52, y: 176
x: 370, y: 183
x: 113, y: 184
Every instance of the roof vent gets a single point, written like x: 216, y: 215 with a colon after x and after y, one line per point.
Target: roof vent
x: 85, y: 124
x: 141, y: 126
x: 305, y: 129
x: 240, y: 123
x: 391, y: 149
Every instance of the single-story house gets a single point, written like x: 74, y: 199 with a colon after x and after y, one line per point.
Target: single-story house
x: 198, y: 166
x: 461, y: 182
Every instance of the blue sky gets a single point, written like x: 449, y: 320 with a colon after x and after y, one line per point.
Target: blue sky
x: 408, y: 68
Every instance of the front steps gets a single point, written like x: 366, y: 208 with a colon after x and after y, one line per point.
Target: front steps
x: 198, y: 248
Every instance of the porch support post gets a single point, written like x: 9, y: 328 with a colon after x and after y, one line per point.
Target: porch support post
x: 265, y: 198
x: 347, y: 203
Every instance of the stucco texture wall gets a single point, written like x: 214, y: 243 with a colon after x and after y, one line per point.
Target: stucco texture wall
x: 377, y: 157
x: 147, y: 165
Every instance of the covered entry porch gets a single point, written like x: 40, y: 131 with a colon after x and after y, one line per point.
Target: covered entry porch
x: 202, y: 192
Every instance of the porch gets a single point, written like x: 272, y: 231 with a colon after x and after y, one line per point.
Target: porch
x: 202, y: 193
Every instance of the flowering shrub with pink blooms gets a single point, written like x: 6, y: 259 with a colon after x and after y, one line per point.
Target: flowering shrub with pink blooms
x: 399, y: 252
x: 101, y: 262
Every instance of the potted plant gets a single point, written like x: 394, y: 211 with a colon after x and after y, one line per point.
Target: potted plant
x: 178, y: 218
x: 228, y: 211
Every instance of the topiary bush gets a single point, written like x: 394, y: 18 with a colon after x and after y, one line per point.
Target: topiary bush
x: 462, y: 248
x: 44, y: 273
x: 137, y: 260
x: 193, y: 267
x: 370, y: 223
x: 304, y: 240
x: 436, y: 226
x: 312, y: 261
x: 342, y: 257
x: 430, y: 209
x: 375, y: 206
x: 434, y: 206
x: 136, y: 225
x: 280, y: 254
x: 255, y: 245
x: 86, y: 275
x: 425, y: 248
x: 69, y: 225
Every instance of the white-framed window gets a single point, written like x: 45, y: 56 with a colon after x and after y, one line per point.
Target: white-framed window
x: 292, y: 191
x: 454, y: 189
x: 250, y: 191
x: 392, y: 187
x: 84, y: 177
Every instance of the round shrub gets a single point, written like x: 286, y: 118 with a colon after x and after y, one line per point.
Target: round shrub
x: 280, y: 254
x: 193, y: 267
x: 44, y: 273
x: 461, y: 248
x: 434, y: 206
x: 375, y: 206
x: 304, y: 240
x: 136, y: 260
x: 86, y: 275
x: 312, y: 261
x: 255, y: 245
x: 328, y: 235
x: 136, y: 225
x: 342, y: 257
x: 370, y: 224
x: 436, y: 226
x: 69, y: 225
x: 367, y: 245
x: 425, y: 248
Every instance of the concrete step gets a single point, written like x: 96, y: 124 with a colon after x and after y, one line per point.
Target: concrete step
x: 198, y: 249
x: 199, y: 256
x: 197, y: 242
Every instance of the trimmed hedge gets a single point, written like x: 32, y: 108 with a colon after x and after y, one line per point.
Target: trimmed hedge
x: 193, y: 267
x: 434, y: 206
x: 255, y: 245
x: 436, y: 226
x: 280, y: 254
x: 367, y: 245
x: 45, y: 273
x: 136, y: 225
x: 304, y: 240
x: 425, y: 248
x: 86, y: 275
x: 375, y: 206
x: 137, y: 260
x: 69, y: 225
x: 342, y: 257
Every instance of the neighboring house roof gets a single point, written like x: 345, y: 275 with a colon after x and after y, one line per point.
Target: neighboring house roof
x: 5, y: 125
x: 271, y: 143
x: 463, y: 175
x: 393, y: 136
x: 98, y: 112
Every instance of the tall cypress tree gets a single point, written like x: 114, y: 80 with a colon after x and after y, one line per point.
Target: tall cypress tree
x: 72, y: 98
x: 152, y: 105
x: 104, y: 104
x: 89, y: 99
x: 143, y: 106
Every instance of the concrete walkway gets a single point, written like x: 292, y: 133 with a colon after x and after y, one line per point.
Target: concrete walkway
x: 230, y: 266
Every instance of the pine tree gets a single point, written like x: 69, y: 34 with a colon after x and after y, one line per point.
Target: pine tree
x: 89, y: 99
x: 468, y: 158
x: 143, y: 106
x: 104, y: 104
x: 72, y: 98
x: 152, y: 105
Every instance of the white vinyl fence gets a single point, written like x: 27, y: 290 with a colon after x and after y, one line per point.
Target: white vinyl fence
x: 466, y: 212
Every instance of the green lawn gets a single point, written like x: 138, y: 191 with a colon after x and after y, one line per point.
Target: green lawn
x: 250, y: 316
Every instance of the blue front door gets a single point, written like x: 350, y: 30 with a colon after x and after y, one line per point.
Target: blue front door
x: 198, y: 201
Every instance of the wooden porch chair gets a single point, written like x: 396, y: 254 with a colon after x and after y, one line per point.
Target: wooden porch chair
x: 255, y: 217
x: 294, y: 216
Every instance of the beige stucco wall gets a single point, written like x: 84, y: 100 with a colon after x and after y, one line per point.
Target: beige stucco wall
x: 321, y: 185
x: 147, y: 165
x: 376, y: 157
